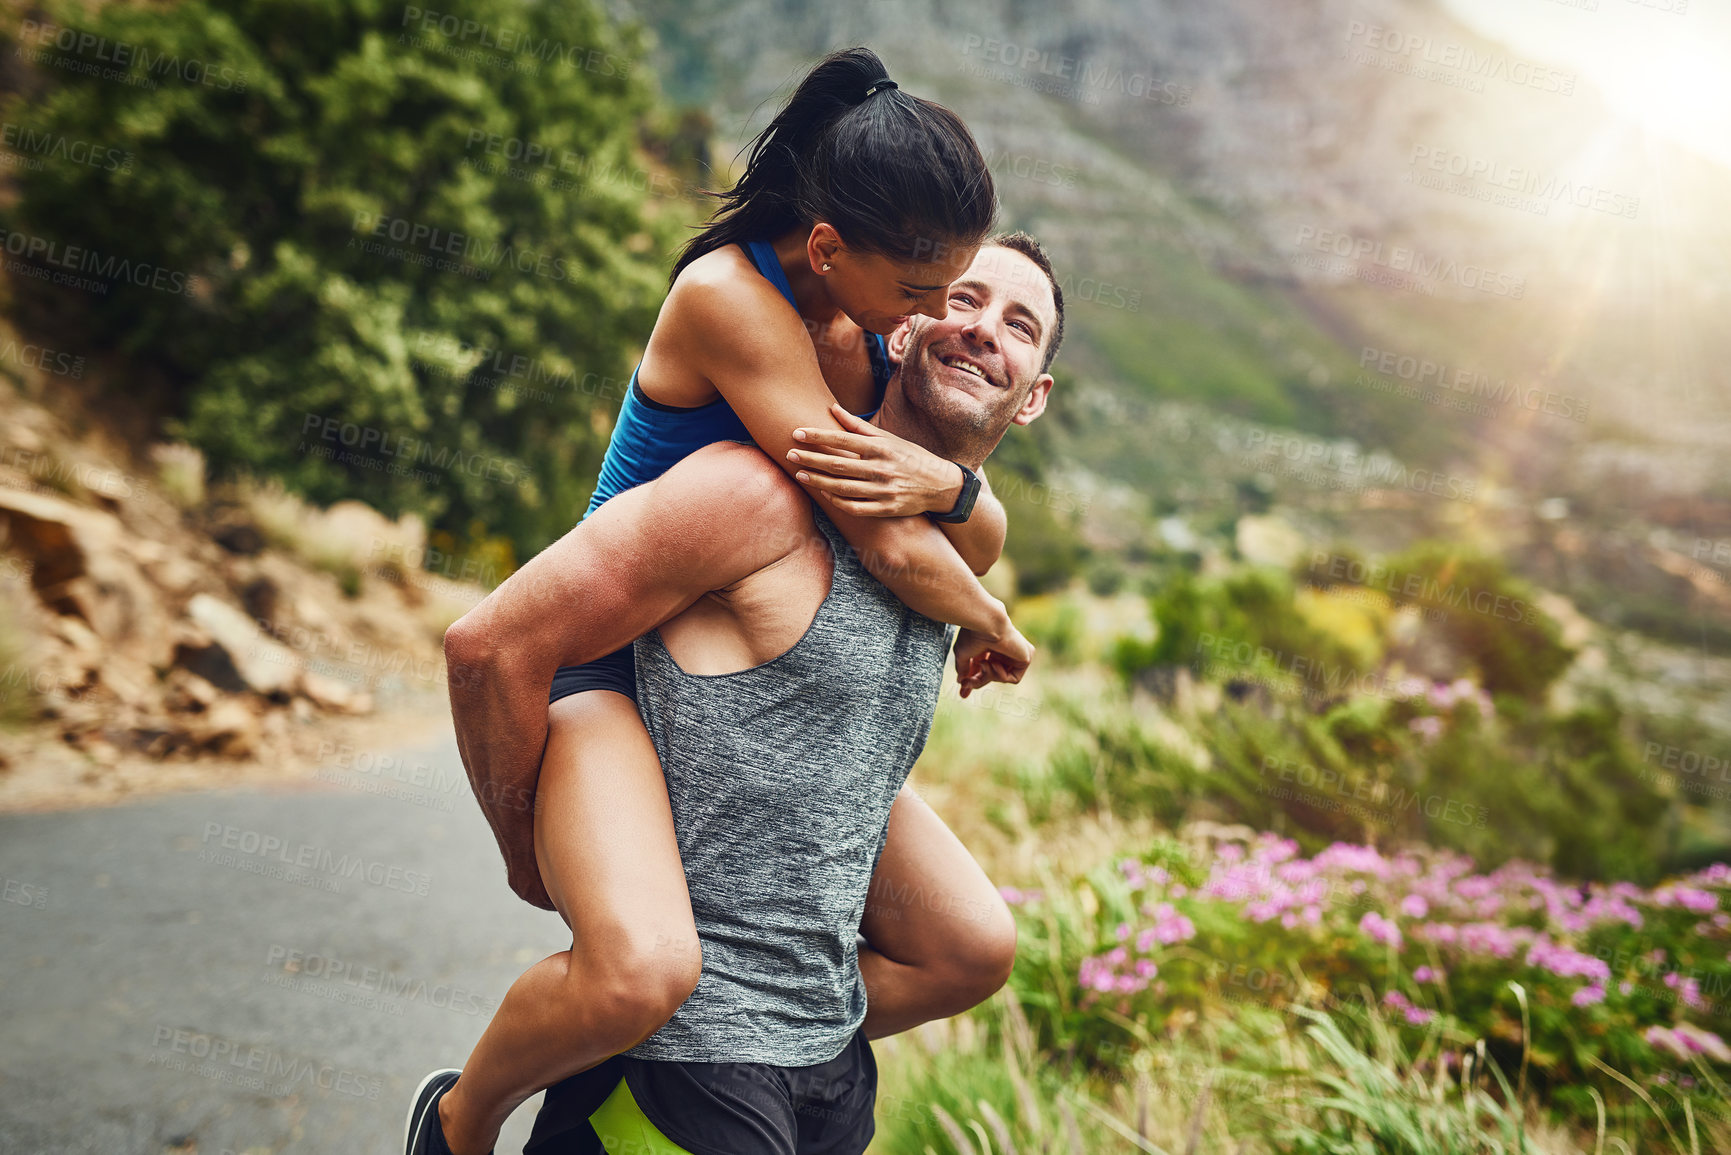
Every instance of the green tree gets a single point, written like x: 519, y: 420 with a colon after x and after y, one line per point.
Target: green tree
x: 374, y: 251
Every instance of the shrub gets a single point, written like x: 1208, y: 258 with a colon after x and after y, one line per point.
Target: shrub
x: 295, y: 176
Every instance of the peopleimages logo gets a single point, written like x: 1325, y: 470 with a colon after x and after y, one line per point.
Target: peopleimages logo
x: 1419, y: 265
x: 66, y: 260
x: 1425, y: 373
x: 38, y: 145
x: 1464, y: 59
x: 134, y: 63
x: 305, y: 856
x: 437, y: 242
x: 1423, y: 587
x: 1545, y: 187
x: 1075, y: 77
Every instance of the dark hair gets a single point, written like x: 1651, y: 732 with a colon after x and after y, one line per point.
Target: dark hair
x: 894, y: 174
x: 1020, y: 242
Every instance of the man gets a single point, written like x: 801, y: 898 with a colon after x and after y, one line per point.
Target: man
x: 788, y: 693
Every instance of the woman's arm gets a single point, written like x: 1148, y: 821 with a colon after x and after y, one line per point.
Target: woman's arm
x: 866, y: 470
x: 742, y: 336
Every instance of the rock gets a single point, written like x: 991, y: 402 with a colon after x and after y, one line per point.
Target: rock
x: 42, y: 528
x: 368, y: 538
x: 175, y: 574
x: 189, y: 693
x: 240, y: 656
x: 335, y: 694
x: 230, y: 728
x: 129, y: 680
x: 261, y: 596
x: 240, y: 538
x: 80, y: 567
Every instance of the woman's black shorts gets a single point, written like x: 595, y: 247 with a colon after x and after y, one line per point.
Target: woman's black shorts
x: 616, y: 671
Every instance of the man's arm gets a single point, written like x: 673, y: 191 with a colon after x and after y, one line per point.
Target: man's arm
x: 864, y: 469
x: 980, y: 539
x: 637, y: 561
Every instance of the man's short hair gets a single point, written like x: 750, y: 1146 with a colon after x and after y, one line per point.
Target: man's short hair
x: 1021, y: 242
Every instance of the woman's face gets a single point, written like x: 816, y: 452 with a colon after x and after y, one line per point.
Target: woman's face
x: 880, y: 292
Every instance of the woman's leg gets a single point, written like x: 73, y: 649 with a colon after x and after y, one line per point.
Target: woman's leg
x: 939, y: 937
x: 604, y: 841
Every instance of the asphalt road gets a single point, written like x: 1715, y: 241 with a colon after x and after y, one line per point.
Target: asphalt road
x: 253, y: 972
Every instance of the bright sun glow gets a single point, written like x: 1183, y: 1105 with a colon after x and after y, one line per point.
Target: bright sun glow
x: 1668, y: 72
x: 1681, y: 90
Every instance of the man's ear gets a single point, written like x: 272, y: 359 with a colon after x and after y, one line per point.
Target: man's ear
x: 1034, y: 403
x: 897, y: 342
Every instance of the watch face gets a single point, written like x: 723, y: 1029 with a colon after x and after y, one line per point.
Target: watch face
x: 970, y: 493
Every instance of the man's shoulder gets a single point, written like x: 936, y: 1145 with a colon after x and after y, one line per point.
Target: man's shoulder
x: 733, y: 490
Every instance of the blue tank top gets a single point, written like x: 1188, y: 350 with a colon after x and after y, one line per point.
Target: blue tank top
x: 649, y: 437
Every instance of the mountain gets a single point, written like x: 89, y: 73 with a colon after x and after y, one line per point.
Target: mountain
x: 1357, y: 221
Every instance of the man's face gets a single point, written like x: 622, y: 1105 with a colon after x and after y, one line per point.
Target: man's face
x: 978, y: 369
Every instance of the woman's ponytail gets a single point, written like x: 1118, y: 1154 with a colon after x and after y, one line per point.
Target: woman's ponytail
x: 886, y: 169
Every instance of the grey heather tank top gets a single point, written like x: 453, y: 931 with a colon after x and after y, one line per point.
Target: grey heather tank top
x: 781, y: 779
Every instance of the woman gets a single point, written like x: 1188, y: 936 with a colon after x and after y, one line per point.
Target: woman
x: 859, y: 205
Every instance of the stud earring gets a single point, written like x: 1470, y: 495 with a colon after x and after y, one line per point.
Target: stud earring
x: 826, y: 268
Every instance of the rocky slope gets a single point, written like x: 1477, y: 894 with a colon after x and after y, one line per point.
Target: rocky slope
x: 142, y: 616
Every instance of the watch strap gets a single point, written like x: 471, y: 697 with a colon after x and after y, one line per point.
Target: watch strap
x: 964, y: 507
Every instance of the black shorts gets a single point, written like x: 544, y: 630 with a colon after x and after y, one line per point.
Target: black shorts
x: 724, y: 1108
x: 616, y: 671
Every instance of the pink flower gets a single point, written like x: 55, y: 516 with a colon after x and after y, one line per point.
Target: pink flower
x: 1424, y: 975
x: 1414, y: 906
x: 1702, y: 1042
x: 1588, y: 995
x: 1380, y: 929
x: 1659, y: 1038
x: 1429, y: 727
x: 1567, y: 963
x: 1687, y: 897
x: 1689, y: 990
x: 1684, y: 1041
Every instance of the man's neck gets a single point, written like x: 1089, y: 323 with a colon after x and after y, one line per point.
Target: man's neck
x: 895, y: 416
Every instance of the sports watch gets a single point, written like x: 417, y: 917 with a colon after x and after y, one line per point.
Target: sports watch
x: 964, y: 503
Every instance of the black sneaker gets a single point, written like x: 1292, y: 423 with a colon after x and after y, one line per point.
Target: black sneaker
x: 422, y: 1134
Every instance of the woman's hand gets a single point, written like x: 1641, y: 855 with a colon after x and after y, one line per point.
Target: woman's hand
x: 981, y: 660
x: 867, y: 471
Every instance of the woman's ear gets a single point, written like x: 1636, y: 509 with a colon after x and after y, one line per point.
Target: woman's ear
x: 822, y: 246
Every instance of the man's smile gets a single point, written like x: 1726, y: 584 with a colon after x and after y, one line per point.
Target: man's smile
x: 965, y: 364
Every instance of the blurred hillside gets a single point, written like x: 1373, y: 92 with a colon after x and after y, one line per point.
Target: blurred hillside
x: 1199, y: 172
